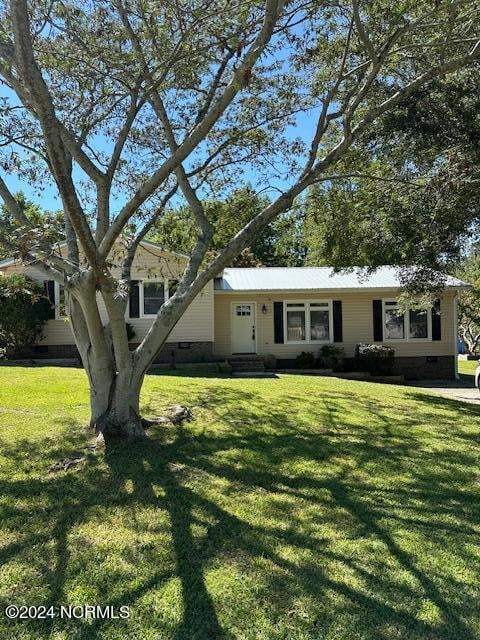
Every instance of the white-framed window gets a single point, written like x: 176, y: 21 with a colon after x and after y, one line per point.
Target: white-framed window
x: 411, y: 324
x: 153, y: 293
x: 308, y: 321
x: 60, y: 302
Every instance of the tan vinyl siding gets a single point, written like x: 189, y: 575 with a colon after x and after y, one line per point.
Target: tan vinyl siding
x: 357, y: 323
x: 195, y: 325
x: 150, y: 263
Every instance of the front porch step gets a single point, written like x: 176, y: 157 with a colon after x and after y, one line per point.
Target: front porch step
x: 247, y: 364
x: 254, y: 374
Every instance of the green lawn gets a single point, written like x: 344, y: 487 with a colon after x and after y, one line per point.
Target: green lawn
x: 467, y: 368
x: 297, y: 508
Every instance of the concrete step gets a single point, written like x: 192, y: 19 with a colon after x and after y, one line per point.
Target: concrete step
x: 248, y: 366
x: 254, y: 374
x: 247, y: 363
x: 307, y: 372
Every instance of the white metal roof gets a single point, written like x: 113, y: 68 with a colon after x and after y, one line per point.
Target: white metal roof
x: 308, y: 278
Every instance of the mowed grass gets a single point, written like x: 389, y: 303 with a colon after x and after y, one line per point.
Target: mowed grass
x: 466, y: 368
x: 297, y: 508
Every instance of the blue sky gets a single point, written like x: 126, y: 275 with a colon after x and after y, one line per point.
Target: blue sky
x: 46, y: 194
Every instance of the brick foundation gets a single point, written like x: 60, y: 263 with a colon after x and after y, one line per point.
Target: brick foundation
x: 417, y: 367
x: 173, y: 352
x: 425, y: 367
x: 170, y: 353
x: 412, y: 367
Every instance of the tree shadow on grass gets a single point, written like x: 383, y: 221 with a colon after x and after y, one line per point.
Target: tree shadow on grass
x: 248, y: 456
x: 199, y: 619
x: 435, y: 401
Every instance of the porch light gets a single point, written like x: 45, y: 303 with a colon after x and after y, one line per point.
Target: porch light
x: 264, y: 309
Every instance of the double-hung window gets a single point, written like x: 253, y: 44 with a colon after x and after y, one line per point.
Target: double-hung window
x: 411, y: 324
x: 308, y: 321
x: 394, y: 321
x: 296, y: 321
x: 419, y: 322
x: 320, y: 318
x: 153, y: 295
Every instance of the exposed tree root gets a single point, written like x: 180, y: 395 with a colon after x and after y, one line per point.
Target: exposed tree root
x: 177, y: 414
x: 66, y: 464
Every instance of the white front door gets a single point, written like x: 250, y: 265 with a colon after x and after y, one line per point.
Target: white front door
x: 243, y: 327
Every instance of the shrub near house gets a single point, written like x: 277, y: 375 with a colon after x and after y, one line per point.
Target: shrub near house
x: 377, y: 359
x: 329, y: 357
x: 24, y: 310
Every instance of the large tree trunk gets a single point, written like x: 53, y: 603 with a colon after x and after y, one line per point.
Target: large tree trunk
x: 114, y: 403
x: 115, y: 374
x: 114, y: 387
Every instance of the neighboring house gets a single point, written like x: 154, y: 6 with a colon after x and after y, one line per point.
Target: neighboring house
x: 276, y: 311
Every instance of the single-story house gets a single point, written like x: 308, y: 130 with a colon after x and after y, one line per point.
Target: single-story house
x: 276, y: 312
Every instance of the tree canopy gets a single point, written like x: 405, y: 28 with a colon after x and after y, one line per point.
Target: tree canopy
x: 423, y: 206
x: 279, y: 244
x: 43, y: 226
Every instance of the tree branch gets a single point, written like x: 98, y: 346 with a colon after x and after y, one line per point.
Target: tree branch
x: 323, y: 119
x: 368, y: 176
x: 362, y: 33
x: 198, y: 134
x: 132, y: 247
x: 157, y: 104
x: 12, y: 205
x: 7, y: 52
x: 53, y: 132
x: 435, y: 72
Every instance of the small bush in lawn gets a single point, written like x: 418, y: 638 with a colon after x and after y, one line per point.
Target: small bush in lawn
x: 306, y: 360
x: 24, y: 309
x: 377, y: 359
x: 331, y: 357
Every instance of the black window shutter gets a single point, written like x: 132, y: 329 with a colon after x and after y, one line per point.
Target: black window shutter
x: 134, y: 311
x: 278, y: 322
x: 50, y: 294
x: 436, y: 321
x: 377, y: 321
x: 337, y: 321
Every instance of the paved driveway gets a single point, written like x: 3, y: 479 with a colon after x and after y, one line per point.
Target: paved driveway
x: 455, y: 389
